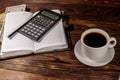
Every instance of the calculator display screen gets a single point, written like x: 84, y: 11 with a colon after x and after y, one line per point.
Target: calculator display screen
x: 53, y: 16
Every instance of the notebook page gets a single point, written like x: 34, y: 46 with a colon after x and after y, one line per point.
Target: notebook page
x: 18, y: 42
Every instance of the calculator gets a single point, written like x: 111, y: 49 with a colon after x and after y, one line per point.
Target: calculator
x: 39, y: 25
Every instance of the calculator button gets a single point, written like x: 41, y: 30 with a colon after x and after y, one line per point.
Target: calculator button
x: 38, y: 34
x: 22, y: 30
x: 37, y: 30
x: 39, y: 16
x: 31, y: 30
x: 36, y: 26
x: 43, y: 29
x: 26, y: 31
x: 52, y: 22
x: 31, y: 34
x: 30, y: 23
x: 40, y: 28
x: 27, y: 25
x: 31, y: 27
x: 33, y: 24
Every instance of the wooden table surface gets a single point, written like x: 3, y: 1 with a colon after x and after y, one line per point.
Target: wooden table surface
x: 84, y: 14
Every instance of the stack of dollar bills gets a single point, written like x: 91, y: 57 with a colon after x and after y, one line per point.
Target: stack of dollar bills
x: 17, y: 8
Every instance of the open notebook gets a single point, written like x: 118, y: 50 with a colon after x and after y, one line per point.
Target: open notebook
x: 55, y: 39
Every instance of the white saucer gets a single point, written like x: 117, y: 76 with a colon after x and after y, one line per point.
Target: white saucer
x: 85, y: 60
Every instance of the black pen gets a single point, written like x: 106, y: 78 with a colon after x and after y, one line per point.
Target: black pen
x: 12, y: 34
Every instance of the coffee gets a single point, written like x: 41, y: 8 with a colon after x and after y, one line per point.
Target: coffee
x: 95, y: 40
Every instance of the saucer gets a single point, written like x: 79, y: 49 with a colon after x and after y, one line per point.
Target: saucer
x: 85, y: 60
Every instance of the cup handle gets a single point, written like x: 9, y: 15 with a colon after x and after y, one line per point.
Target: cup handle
x: 112, y: 42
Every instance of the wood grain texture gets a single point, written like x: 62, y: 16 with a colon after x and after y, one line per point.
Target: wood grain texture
x: 83, y: 14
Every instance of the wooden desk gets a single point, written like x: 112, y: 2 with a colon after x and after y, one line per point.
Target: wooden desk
x: 84, y: 14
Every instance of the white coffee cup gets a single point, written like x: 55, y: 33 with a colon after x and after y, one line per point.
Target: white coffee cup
x: 99, y: 52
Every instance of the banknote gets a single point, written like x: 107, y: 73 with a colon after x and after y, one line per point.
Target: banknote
x: 18, y: 8
x: 2, y: 17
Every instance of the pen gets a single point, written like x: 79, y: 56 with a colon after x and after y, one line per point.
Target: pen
x: 12, y: 34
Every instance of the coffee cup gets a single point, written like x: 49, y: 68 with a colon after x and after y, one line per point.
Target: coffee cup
x: 95, y: 43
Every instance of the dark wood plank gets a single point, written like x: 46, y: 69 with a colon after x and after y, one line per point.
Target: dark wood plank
x: 62, y: 67
x: 81, y: 10
x: 11, y: 75
x: 83, y: 14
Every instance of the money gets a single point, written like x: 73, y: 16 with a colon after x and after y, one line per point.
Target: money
x: 18, y: 8
x: 2, y: 17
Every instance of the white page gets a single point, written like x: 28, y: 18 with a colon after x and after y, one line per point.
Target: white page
x: 18, y: 42
x: 55, y: 37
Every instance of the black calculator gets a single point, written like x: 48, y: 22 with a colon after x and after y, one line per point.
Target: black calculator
x: 38, y: 25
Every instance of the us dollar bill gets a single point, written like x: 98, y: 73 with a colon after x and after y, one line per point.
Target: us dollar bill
x: 2, y: 17
x: 18, y: 8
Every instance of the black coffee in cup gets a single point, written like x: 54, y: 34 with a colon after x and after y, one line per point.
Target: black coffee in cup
x: 95, y: 40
